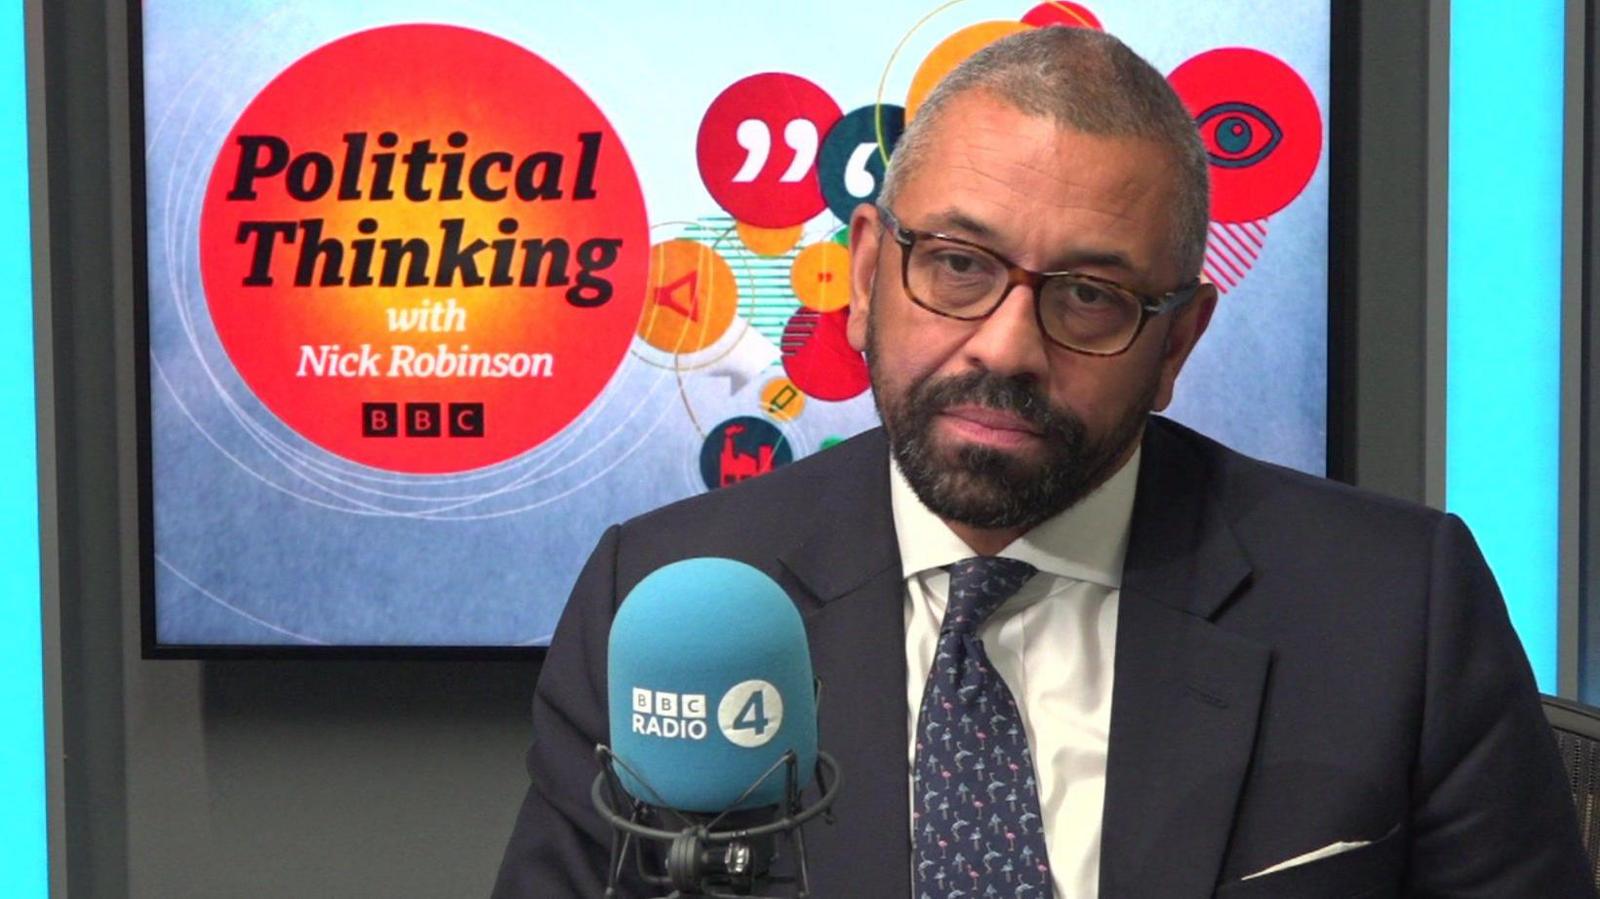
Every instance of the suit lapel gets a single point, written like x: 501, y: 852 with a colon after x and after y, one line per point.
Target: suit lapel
x: 847, y: 571
x: 1186, y: 693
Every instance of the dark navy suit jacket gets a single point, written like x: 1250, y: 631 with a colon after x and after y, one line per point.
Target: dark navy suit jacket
x: 1298, y: 663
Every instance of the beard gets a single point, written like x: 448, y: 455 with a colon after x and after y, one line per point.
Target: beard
x: 988, y: 488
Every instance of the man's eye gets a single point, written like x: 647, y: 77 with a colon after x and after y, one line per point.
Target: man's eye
x: 1091, y: 295
x: 958, y: 263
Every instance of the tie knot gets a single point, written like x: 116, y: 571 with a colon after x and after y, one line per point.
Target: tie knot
x: 980, y: 585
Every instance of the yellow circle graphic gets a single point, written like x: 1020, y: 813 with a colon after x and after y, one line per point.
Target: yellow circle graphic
x: 781, y: 399
x: 690, y: 298
x: 821, y: 276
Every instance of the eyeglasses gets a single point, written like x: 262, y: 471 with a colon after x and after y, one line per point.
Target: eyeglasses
x: 962, y: 280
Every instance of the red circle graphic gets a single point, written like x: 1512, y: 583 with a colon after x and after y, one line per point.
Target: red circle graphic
x: 818, y: 358
x: 1260, y: 124
x: 424, y: 248
x: 758, y: 147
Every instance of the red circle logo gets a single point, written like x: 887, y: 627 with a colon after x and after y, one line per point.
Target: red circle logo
x: 758, y: 147
x: 424, y: 248
x: 1260, y: 125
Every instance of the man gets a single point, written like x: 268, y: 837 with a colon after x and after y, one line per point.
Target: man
x: 1069, y: 648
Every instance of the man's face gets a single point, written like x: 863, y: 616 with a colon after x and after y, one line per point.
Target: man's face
x: 994, y: 426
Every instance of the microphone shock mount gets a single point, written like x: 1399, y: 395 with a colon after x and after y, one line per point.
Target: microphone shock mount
x: 725, y: 855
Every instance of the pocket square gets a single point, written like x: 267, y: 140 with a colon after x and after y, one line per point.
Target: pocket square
x: 1315, y: 854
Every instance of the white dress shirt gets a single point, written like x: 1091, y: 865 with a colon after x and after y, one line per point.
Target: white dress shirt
x: 1054, y: 643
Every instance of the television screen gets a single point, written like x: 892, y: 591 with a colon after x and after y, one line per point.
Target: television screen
x: 437, y: 291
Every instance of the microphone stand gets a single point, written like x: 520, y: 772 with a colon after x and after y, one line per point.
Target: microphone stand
x: 703, y: 862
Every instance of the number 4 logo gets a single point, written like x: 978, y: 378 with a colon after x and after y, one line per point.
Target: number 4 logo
x: 750, y: 713
x: 753, y: 716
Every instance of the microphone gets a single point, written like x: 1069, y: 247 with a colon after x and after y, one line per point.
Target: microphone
x: 713, y: 717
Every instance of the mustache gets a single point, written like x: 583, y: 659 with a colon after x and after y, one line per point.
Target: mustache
x: 988, y: 390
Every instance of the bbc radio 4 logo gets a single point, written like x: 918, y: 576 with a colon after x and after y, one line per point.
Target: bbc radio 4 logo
x: 659, y: 713
x: 750, y: 714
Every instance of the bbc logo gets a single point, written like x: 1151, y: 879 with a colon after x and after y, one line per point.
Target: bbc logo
x: 422, y: 419
x: 669, y: 705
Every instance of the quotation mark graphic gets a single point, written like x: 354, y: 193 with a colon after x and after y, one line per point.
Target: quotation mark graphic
x: 851, y: 164
x: 756, y: 138
x: 742, y: 170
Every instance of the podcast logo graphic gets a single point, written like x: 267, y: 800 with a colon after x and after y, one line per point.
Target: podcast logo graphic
x: 671, y: 716
x: 423, y: 233
x: 750, y: 713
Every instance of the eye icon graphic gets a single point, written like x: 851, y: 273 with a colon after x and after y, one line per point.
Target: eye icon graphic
x: 1237, y: 135
x: 1261, y: 126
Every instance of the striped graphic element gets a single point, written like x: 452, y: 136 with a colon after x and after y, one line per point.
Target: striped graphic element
x: 1232, y: 249
x: 802, y: 327
x: 766, y: 299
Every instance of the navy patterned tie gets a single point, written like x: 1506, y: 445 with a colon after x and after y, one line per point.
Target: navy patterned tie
x: 978, y: 832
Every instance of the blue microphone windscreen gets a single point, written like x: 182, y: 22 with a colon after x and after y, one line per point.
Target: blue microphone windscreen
x: 709, y: 683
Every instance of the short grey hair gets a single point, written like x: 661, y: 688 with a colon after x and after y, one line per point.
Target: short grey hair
x: 1088, y: 81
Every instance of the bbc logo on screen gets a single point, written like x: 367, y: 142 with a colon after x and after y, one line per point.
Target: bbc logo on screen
x: 422, y: 419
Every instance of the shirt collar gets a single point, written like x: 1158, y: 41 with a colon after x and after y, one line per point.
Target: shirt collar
x: 1087, y: 542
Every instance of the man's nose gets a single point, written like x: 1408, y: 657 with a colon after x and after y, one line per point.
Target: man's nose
x: 1009, y: 342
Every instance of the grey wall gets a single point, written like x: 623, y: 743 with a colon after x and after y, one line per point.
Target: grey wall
x: 1587, y: 271
x: 400, y: 779
x: 338, y: 779
x: 1388, y: 236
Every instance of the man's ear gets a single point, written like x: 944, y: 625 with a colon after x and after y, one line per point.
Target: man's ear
x: 1187, y: 325
x: 865, y: 234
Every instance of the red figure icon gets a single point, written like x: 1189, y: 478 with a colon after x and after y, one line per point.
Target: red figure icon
x: 737, y: 466
x: 690, y: 282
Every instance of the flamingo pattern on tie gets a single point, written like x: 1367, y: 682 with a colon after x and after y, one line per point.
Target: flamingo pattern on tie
x: 976, y: 823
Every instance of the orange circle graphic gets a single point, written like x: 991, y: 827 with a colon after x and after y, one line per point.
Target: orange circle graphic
x: 769, y: 241
x: 782, y: 399
x: 820, y: 276
x: 951, y: 52
x: 691, y: 297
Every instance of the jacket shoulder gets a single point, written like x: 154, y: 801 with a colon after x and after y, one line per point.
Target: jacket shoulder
x: 1265, y: 499
x: 1241, y: 479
